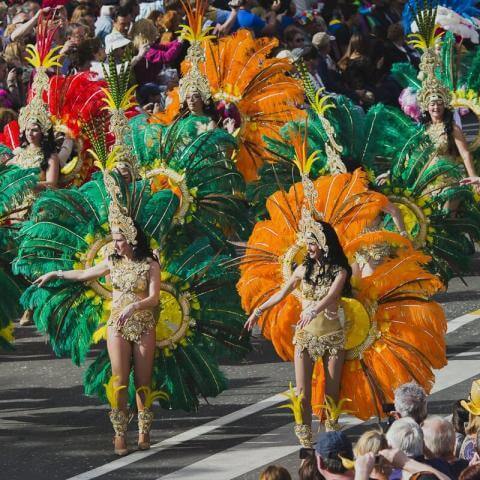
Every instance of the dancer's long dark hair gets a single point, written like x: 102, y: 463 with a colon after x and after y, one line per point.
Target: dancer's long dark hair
x: 142, y: 250
x: 334, y: 258
x: 448, y: 121
x: 48, y: 147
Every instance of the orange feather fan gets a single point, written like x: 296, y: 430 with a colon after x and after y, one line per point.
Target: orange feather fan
x: 410, y: 338
x: 405, y: 337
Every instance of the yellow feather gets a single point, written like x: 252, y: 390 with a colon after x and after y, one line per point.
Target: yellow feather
x: 112, y: 391
x: 100, y: 334
x: 151, y: 395
x: 295, y: 404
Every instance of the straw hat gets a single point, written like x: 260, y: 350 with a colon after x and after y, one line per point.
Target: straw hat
x: 473, y: 406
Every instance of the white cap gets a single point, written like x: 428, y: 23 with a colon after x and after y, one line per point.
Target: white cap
x: 115, y: 40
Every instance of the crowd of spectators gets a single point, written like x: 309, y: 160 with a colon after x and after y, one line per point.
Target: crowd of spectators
x: 413, y: 445
x: 348, y: 47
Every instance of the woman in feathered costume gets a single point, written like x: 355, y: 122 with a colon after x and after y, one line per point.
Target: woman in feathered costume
x: 135, y: 277
x: 200, y: 319
x: 401, y: 325
x: 435, y: 99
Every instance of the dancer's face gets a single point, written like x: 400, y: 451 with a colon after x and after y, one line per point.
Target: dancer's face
x: 33, y: 134
x: 194, y: 102
x: 436, y: 109
x: 122, y: 247
x: 313, y: 250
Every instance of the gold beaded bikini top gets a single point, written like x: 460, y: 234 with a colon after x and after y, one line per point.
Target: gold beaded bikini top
x: 129, y: 276
x: 320, y: 289
x: 28, y: 157
x: 439, y: 137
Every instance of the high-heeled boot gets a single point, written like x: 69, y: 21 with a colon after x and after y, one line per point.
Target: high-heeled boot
x: 304, y: 434
x: 145, y: 420
x: 119, y: 421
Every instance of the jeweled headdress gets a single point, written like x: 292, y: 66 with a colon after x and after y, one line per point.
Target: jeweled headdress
x: 119, y: 97
x: 194, y: 80
x: 426, y: 40
x: 118, y: 217
x: 309, y: 227
x: 42, y: 56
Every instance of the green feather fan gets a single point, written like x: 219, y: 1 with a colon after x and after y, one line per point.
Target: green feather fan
x: 217, y: 206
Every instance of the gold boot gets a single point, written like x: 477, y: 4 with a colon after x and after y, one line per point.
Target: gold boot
x: 145, y: 420
x: 332, y: 425
x: 119, y: 421
x: 26, y: 318
x: 304, y: 434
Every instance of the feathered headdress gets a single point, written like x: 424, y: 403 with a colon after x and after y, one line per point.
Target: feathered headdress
x: 194, y: 80
x: 42, y: 56
x: 425, y: 39
x: 118, y: 98
x: 320, y: 104
x: 309, y: 228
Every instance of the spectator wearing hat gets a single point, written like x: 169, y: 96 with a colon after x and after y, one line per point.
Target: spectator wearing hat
x: 410, y: 400
x: 329, y: 448
x: 327, y: 71
x: 439, y: 440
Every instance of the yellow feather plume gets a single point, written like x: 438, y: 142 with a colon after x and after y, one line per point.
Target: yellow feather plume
x: 322, y: 102
x: 302, y: 160
x: 49, y: 61
x: 112, y: 391
x: 7, y: 332
x: 332, y: 409
x: 151, y: 395
x: 295, y: 404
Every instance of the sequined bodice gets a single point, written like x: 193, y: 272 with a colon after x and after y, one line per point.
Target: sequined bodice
x: 315, y: 292
x: 439, y: 137
x: 129, y: 276
x: 27, y: 157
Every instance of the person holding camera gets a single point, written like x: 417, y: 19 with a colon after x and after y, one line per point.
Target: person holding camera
x: 246, y: 19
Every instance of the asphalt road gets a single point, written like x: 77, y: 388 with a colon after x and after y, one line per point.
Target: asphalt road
x: 49, y: 430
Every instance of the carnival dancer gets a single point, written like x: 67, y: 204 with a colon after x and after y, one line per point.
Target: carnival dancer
x: 323, y: 278
x: 200, y: 319
x: 388, y: 320
x: 135, y: 276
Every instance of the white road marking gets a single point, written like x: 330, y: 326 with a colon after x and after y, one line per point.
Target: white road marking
x: 458, y: 322
x: 181, y: 437
x: 262, y: 450
x: 443, y: 381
